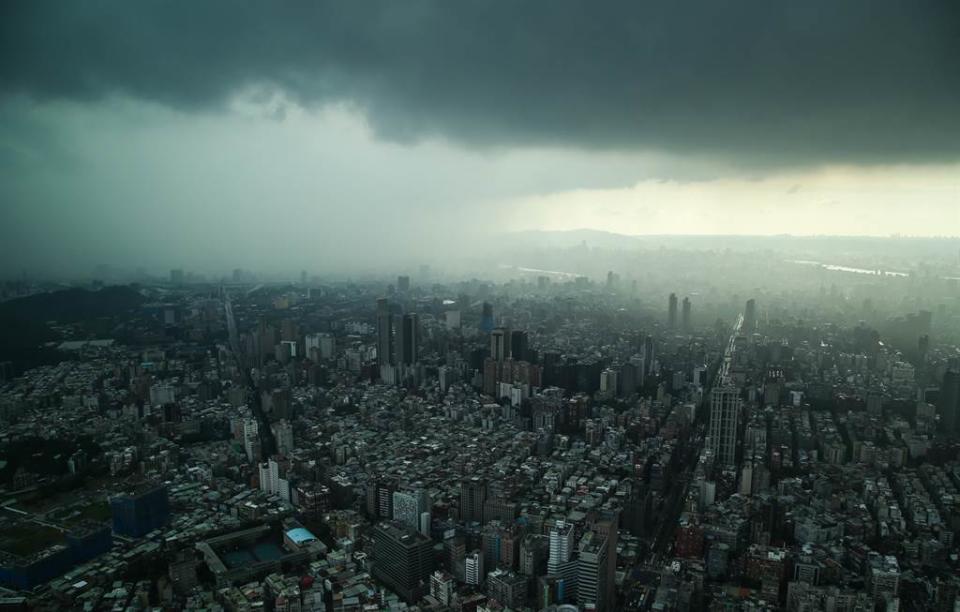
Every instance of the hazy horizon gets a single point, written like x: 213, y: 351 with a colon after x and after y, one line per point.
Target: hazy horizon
x: 215, y: 137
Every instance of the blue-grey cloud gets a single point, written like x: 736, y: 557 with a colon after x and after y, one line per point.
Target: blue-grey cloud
x: 757, y: 82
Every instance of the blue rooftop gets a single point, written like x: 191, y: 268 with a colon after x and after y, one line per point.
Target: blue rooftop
x: 300, y: 535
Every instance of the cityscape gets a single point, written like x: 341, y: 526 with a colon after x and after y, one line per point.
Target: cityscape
x: 480, y: 306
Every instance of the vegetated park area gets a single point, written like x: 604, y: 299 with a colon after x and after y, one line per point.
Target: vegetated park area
x: 25, y: 538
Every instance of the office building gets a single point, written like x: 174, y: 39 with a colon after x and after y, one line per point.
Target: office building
x: 672, y: 311
x: 380, y: 498
x: 408, y: 506
x: 402, y: 560
x: 473, y: 494
x: 519, y: 345
x: 534, y: 551
x: 750, y: 317
x: 407, y: 337
x: 948, y: 404
x: 486, y: 318
x: 685, y: 314
x: 384, y: 334
x: 507, y: 588
x: 725, y: 404
x: 141, y: 510
x: 498, y: 344
x: 593, y: 572
x: 561, y: 563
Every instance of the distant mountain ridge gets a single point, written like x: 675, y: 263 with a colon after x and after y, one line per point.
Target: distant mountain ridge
x: 612, y: 240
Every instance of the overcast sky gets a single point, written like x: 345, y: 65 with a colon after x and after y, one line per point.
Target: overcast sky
x: 213, y: 135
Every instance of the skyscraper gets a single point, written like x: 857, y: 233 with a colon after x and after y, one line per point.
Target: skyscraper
x: 519, y: 345
x: 561, y: 563
x: 672, y: 311
x: 948, y: 405
x: 685, y: 315
x: 486, y: 318
x: 649, y: 352
x: 407, y: 339
x: 384, y: 333
x: 473, y: 493
x: 403, y: 284
x: 608, y: 528
x: 498, y: 344
x: 593, y: 572
x: 750, y: 317
x: 725, y: 405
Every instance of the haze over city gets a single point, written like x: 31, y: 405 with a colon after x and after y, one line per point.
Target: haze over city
x: 480, y: 306
x: 212, y: 136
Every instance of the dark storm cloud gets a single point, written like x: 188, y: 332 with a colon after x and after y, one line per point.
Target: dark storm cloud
x: 756, y: 82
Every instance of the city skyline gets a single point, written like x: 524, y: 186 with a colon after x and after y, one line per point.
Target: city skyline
x: 480, y: 306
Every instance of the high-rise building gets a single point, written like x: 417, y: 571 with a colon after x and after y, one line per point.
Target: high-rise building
x: 473, y: 568
x: 609, y: 380
x: 407, y: 339
x: 685, y: 314
x: 649, y: 353
x: 507, y: 588
x: 883, y: 576
x: 498, y: 344
x: 319, y: 346
x: 519, y: 345
x: 608, y: 528
x: 593, y: 572
x: 628, y: 378
x: 486, y: 318
x: 408, y: 506
x: 251, y: 439
x: 313, y: 499
x: 403, y: 561
x: 384, y: 334
x: 283, y: 434
x: 380, y: 498
x: 273, y: 479
x: 750, y: 317
x: 561, y: 563
x: 948, y: 404
x: 725, y: 403
x: 403, y: 284
x: 534, y: 550
x: 442, y: 587
x: 473, y: 493
x: 141, y: 510
x: 455, y: 554
x: 672, y: 311
x: 491, y: 541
